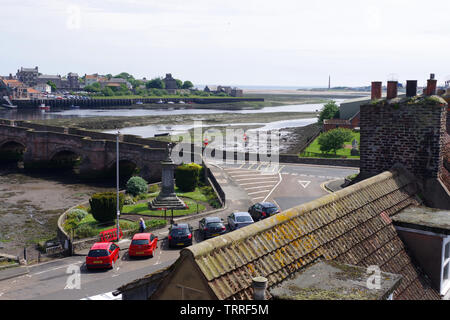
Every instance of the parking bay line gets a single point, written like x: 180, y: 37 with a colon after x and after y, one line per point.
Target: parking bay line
x: 251, y: 188
x: 245, y: 184
x: 259, y: 178
x: 256, y: 192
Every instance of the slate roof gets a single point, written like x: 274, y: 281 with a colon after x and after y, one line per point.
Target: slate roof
x: 351, y: 226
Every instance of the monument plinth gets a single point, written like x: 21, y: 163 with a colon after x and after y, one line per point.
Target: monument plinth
x: 167, y: 199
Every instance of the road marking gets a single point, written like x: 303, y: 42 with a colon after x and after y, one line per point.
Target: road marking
x: 259, y: 178
x: 259, y: 182
x: 257, y: 198
x: 256, y: 192
x: 244, y: 175
x: 255, y: 187
x: 56, y: 268
x: 281, y: 179
x: 304, y: 184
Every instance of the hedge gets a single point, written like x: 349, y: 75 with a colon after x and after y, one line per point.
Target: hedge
x: 104, y: 206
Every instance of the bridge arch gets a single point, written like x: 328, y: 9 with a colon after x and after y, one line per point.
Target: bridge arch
x: 128, y: 167
x: 12, y: 150
x: 65, y: 158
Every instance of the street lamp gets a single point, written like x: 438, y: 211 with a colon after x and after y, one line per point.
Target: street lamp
x: 117, y: 183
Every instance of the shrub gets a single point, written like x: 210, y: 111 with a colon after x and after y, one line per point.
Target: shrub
x: 77, y: 214
x: 70, y: 224
x: 136, y: 186
x: 85, y: 231
x: 129, y: 200
x: 334, y: 139
x: 187, y: 176
x: 153, y: 188
x: 104, y: 207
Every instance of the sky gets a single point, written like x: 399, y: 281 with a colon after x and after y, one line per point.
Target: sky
x: 293, y: 43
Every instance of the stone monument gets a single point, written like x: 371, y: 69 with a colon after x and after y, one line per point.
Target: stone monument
x: 167, y: 199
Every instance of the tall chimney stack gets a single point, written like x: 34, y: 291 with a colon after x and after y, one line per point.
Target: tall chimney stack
x: 431, y: 85
x: 391, y: 89
x: 376, y: 90
x: 411, y: 88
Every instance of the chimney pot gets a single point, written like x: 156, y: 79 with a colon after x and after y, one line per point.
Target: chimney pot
x: 411, y: 88
x: 376, y: 90
x: 259, y: 285
x: 391, y: 89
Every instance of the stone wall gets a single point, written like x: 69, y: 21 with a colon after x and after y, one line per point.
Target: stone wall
x: 406, y: 133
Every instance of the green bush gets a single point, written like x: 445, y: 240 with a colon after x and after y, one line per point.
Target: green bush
x: 77, y: 214
x: 153, y: 188
x: 136, y: 186
x: 187, y: 176
x: 85, y: 231
x: 70, y: 224
x: 104, y: 207
x: 129, y: 200
x: 208, y: 191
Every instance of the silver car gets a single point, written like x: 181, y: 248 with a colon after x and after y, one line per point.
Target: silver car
x: 238, y: 220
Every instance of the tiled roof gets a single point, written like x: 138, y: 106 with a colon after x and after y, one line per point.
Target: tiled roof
x: 336, y: 121
x: 12, y: 83
x: 351, y: 226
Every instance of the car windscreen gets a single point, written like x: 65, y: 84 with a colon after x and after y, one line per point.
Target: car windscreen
x: 271, y: 209
x: 243, y: 219
x: 214, y: 225
x: 180, y: 232
x: 98, y: 253
x: 139, y: 242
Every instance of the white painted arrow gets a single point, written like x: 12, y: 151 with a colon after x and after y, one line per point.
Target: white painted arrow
x: 304, y: 184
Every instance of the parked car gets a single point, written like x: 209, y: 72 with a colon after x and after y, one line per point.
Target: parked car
x: 180, y: 235
x: 102, y: 255
x: 211, y: 227
x: 143, y: 244
x: 262, y: 210
x: 238, y: 220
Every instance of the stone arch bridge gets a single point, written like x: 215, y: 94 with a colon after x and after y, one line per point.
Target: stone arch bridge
x: 40, y: 144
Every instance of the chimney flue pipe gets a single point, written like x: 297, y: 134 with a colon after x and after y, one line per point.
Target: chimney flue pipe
x: 259, y: 285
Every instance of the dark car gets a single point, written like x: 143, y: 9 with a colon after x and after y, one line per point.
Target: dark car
x: 238, y: 220
x: 211, y: 227
x: 262, y: 210
x: 180, y: 235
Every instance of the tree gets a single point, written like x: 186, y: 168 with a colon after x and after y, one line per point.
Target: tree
x: 187, y: 176
x: 187, y: 85
x: 334, y: 139
x: 104, y: 206
x: 156, y: 83
x: 52, y: 85
x: 179, y: 83
x: 329, y: 111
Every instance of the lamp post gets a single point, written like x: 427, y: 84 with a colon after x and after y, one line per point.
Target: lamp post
x: 117, y: 183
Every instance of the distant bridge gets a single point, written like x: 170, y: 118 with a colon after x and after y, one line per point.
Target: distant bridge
x: 45, y: 146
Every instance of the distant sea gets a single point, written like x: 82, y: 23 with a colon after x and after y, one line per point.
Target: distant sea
x: 261, y: 87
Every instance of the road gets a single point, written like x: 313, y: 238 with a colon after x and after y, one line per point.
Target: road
x: 287, y: 185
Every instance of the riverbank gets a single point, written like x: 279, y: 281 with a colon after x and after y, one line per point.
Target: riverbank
x: 110, y: 123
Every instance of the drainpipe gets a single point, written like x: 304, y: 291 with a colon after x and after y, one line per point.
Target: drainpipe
x: 259, y: 285
x: 391, y: 89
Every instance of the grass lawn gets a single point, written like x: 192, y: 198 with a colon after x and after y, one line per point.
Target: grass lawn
x: 94, y: 224
x: 313, y: 150
x: 142, y: 208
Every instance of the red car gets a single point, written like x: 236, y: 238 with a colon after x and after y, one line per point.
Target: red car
x: 102, y: 255
x: 143, y: 244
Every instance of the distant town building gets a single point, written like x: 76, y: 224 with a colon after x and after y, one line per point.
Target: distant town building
x: 116, y: 82
x: 14, y: 89
x: 61, y: 83
x: 90, y: 79
x: 43, y: 87
x: 170, y: 84
x: 234, y: 92
x: 28, y: 76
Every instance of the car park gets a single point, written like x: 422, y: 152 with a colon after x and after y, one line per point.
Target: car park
x: 262, y: 210
x: 143, y: 245
x: 238, y: 220
x: 211, y: 227
x: 180, y: 235
x: 102, y: 255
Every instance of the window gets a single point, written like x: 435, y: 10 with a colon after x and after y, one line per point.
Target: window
x: 445, y: 284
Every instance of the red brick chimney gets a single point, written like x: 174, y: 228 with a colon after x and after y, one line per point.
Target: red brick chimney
x: 391, y: 89
x: 431, y: 86
x: 376, y: 90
